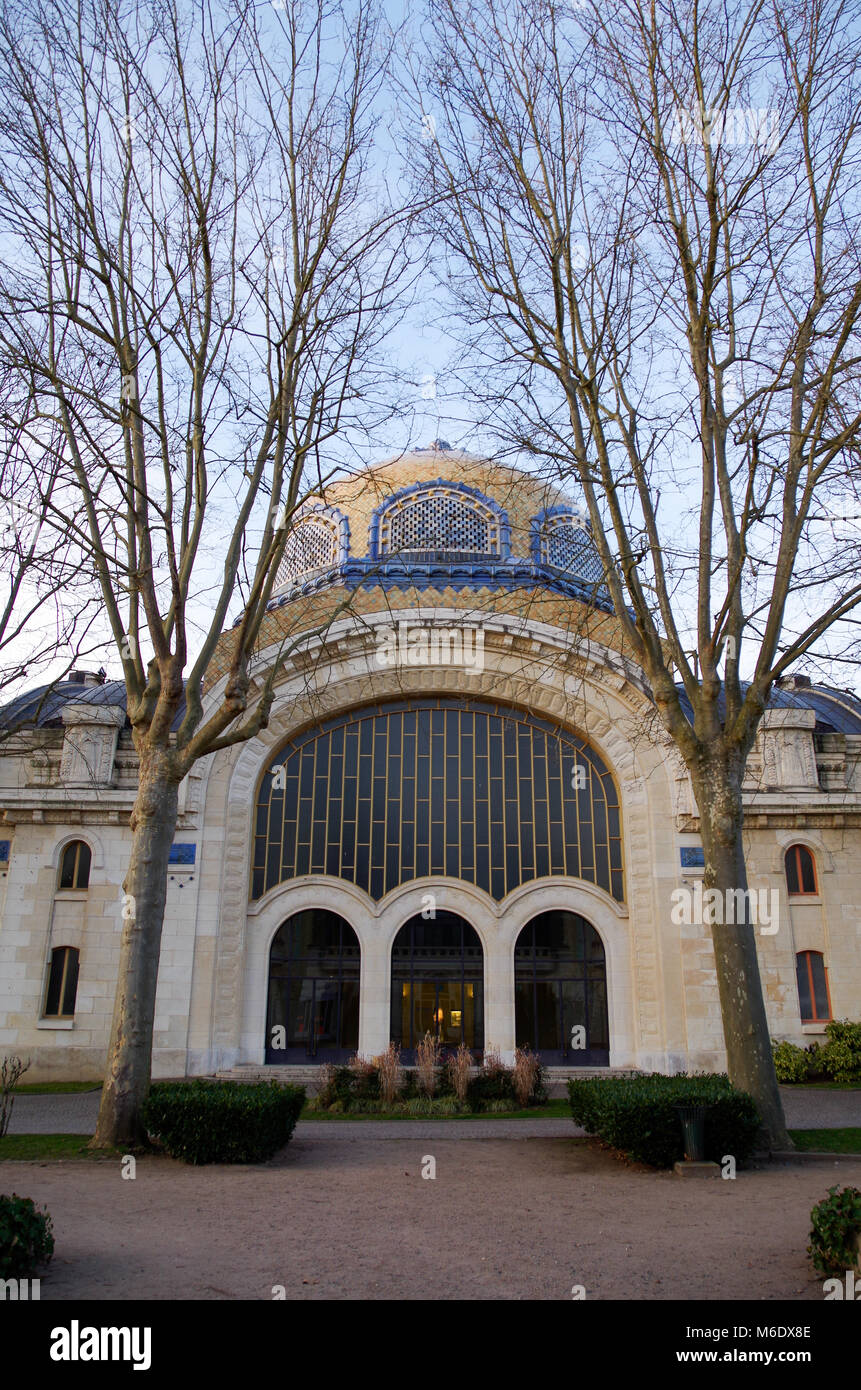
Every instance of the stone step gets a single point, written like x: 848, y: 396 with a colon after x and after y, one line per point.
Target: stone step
x: 310, y: 1075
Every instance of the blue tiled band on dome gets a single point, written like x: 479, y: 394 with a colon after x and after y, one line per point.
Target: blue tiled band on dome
x: 397, y: 572
x: 414, y: 490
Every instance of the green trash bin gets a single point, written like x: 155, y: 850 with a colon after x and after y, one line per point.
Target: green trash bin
x: 693, y: 1121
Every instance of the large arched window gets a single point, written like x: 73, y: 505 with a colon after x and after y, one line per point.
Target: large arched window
x: 800, y: 871
x: 479, y: 792
x: 813, y: 995
x: 560, y: 984
x: 75, y: 866
x: 62, y: 985
x: 313, y: 1011
x: 439, y: 520
x: 438, y: 984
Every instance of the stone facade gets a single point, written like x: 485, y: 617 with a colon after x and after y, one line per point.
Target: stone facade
x: 73, y: 778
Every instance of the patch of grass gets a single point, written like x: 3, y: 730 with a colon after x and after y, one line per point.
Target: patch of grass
x: 822, y: 1085
x: 57, y: 1088
x: 833, y: 1141
x: 47, y: 1146
x: 552, y: 1110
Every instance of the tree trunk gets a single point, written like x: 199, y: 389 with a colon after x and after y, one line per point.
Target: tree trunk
x: 153, y: 823
x: 750, y: 1063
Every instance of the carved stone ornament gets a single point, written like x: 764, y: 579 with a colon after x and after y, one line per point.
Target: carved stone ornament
x: 90, y: 744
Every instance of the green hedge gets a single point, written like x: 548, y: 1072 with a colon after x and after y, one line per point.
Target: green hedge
x: 792, y: 1064
x: 26, y: 1238
x: 836, y: 1224
x: 636, y: 1115
x: 222, y: 1121
x: 840, y: 1058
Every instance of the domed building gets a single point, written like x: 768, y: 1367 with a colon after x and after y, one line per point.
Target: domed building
x: 463, y: 818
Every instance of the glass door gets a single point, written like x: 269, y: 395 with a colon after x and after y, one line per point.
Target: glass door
x: 313, y: 1012
x: 560, y: 991
x: 437, y: 977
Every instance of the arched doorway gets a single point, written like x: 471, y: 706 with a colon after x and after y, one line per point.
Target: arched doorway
x: 437, y: 984
x: 313, y: 1008
x: 560, y: 991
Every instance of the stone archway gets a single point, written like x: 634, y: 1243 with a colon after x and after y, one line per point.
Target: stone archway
x: 606, y: 701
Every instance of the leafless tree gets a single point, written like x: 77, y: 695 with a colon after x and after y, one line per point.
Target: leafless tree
x: 647, y: 218
x: 206, y: 261
x: 48, y: 608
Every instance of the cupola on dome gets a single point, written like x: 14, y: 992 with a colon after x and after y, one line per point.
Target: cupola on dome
x: 437, y: 517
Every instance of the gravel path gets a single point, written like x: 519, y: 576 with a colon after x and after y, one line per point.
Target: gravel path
x: 821, y: 1109
x: 69, y: 1114
x: 501, y: 1219
x: 76, y: 1114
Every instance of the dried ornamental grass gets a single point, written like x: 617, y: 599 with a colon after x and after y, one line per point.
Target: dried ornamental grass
x: 527, y: 1069
x: 388, y: 1065
x: 459, y: 1066
x: 427, y: 1061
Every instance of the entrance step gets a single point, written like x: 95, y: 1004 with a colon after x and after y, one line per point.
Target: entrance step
x: 310, y: 1076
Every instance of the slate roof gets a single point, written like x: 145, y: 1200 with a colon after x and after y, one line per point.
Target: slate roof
x: 837, y: 711
x: 42, y: 708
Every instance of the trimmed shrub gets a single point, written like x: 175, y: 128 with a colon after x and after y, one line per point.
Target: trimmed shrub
x: 444, y: 1085
x: 791, y: 1063
x: 26, y: 1237
x: 337, y: 1087
x: 636, y: 1115
x: 410, y: 1084
x: 496, y: 1084
x: 498, y: 1087
x: 840, y: 1058
x: 365, y: 1074
x: 222, y: 1121
x: 836, y: 1226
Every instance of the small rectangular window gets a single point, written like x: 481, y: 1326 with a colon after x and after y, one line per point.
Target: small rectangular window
x: 62, y: 983
x: 813, y: 996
